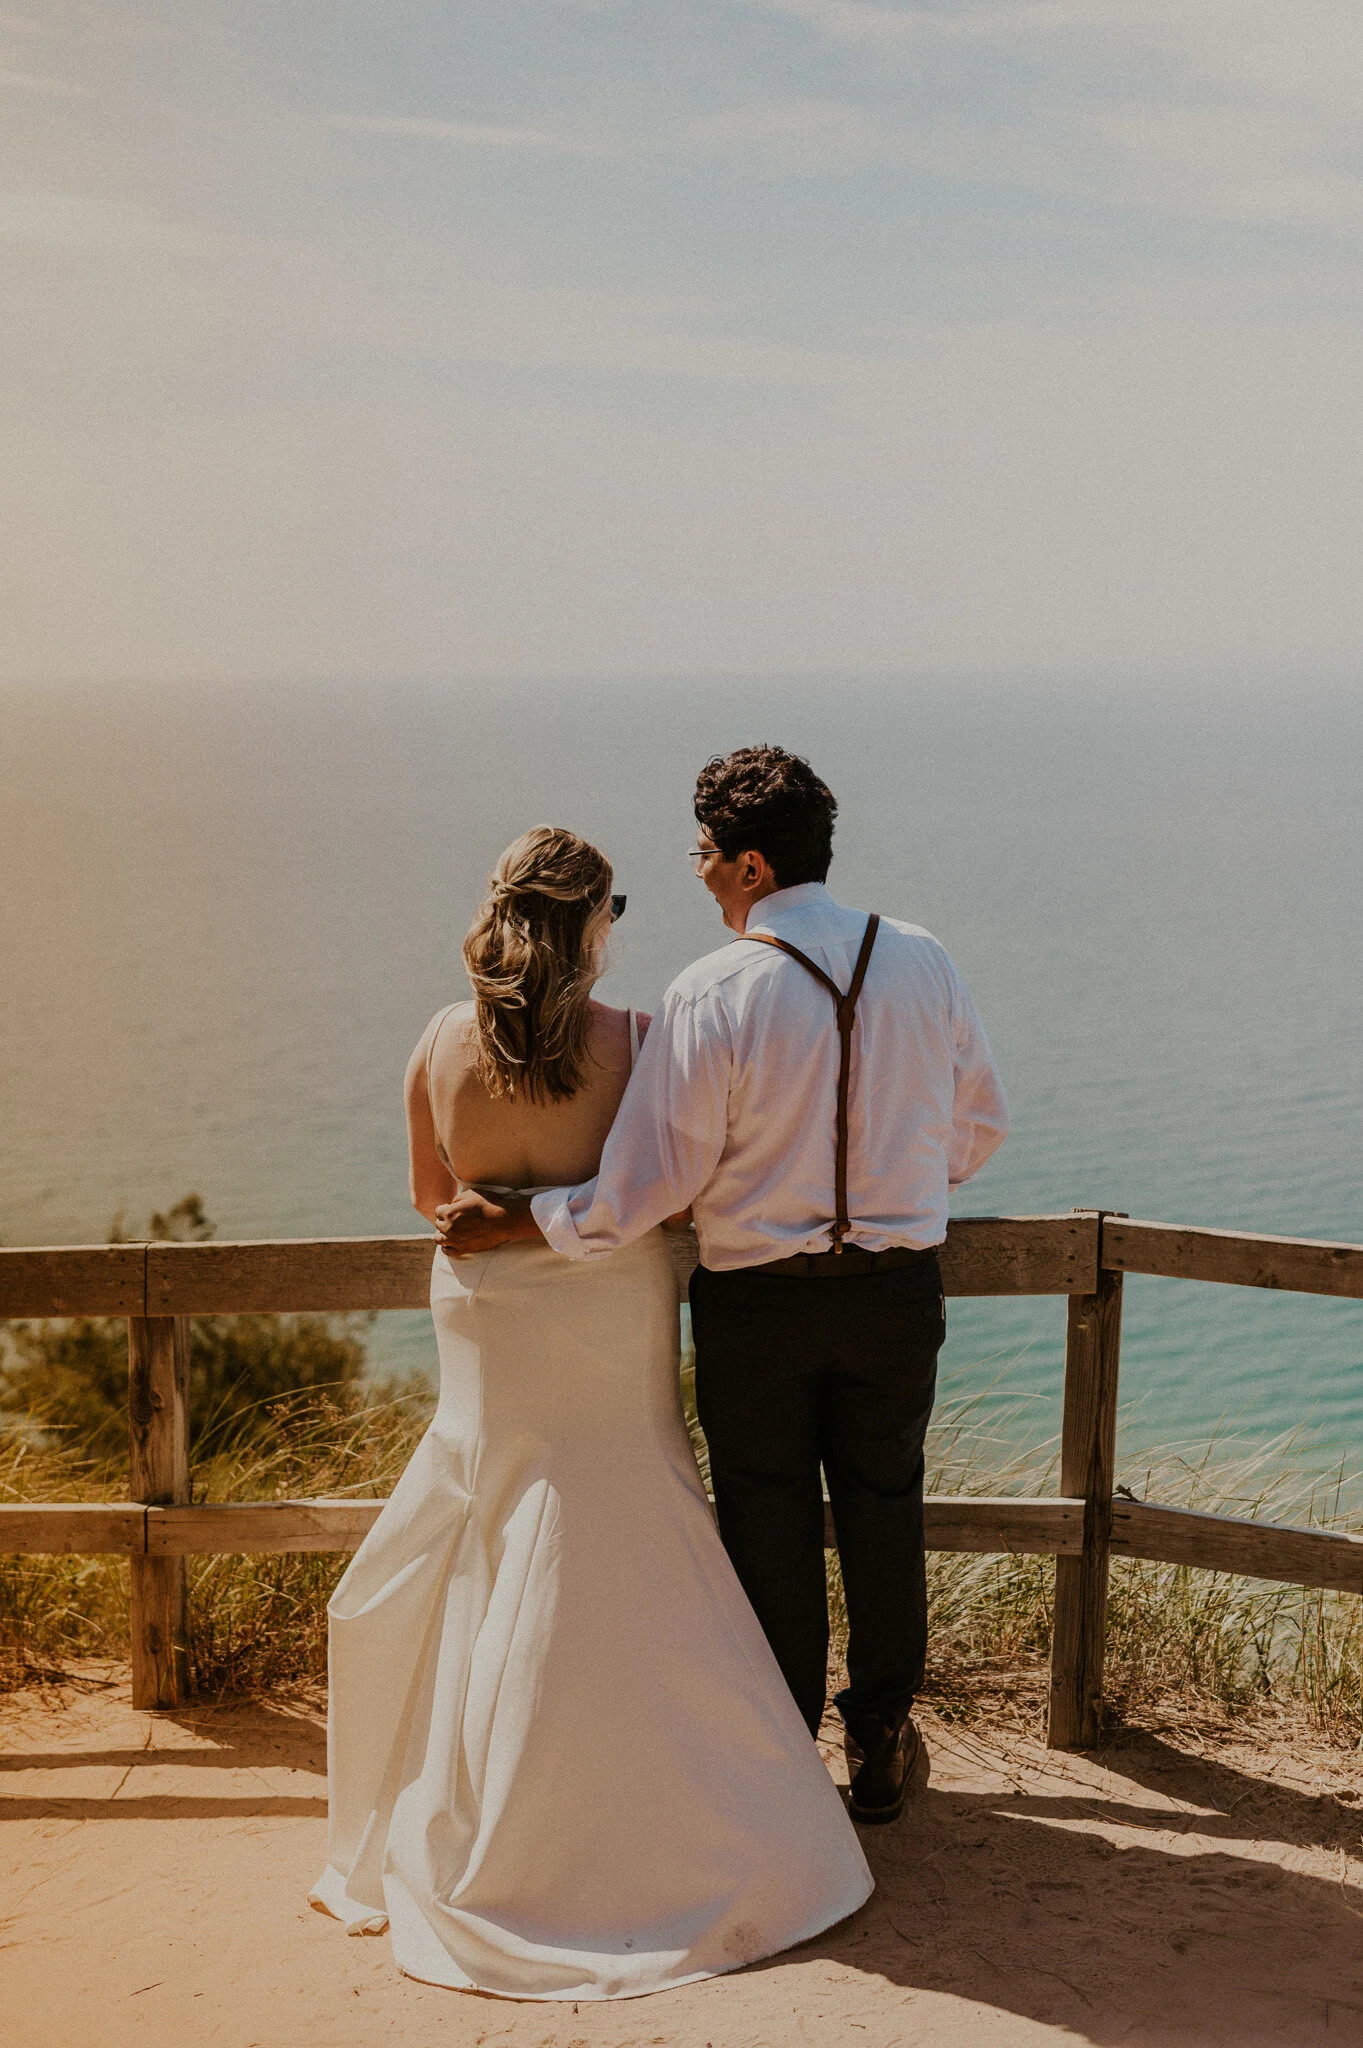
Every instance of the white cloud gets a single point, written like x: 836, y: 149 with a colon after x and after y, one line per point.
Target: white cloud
x: 1241, y: 121
x: 770, y: 138
x: 985, y: 21
x: 471, y: 134
x: 1315, y: 51
x: 1265, y: 166
x: 803, y: 137
x: 856, y: 21
x: 1253, y: 116
x: 1189, y: 162
x: 74, y: 221
x: 57, y: 88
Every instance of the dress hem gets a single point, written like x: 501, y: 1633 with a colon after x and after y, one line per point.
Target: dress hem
x: 331, y: 1886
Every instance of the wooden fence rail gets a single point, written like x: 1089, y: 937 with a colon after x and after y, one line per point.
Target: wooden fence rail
x: 1082, y: 1256
x: 982, y: 1255
x: 1012, y: 1523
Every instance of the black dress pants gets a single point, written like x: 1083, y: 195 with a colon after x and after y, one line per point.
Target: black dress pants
x: 794, y: 1373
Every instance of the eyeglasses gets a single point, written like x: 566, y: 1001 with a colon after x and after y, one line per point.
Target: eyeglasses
x: 618, y: 907
x: 699, y: 853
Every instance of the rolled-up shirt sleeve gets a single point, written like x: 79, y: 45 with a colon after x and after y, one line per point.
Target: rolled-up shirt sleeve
x: 666, y: 1140
x: 979, y: 1119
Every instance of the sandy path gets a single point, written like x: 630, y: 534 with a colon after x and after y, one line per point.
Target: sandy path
x: 153, y: 1873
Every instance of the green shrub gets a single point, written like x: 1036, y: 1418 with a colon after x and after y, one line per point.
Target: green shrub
x: 70, y: 1378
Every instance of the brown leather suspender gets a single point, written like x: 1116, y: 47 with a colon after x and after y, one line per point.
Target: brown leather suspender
x: 847, y: 1010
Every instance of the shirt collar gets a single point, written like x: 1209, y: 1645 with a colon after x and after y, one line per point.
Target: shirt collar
x: 788, y: 904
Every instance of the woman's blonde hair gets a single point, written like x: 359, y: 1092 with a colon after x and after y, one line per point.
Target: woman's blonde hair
x: 531, y: 967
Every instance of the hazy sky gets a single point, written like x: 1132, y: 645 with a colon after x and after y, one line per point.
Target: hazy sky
x: 679, y: 336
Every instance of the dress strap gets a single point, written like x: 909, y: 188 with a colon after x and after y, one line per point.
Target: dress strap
x: 434, y: 1035
x: 633, y: 1039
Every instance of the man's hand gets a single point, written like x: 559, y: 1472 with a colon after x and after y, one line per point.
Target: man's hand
x: 473, y: 1223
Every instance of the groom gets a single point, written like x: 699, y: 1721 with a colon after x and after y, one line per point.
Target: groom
x: 811, y: 1092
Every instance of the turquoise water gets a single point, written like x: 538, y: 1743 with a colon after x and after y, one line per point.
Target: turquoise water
x: 228, y: 914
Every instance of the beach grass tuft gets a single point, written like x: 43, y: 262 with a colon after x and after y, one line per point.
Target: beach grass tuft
x: 257, y: 1622
x: 1209, y: 1645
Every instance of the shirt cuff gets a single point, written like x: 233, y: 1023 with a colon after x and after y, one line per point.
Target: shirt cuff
x: 550, y: 1210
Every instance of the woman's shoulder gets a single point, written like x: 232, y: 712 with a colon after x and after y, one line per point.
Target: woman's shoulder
x: 614, y: 1019
x: 454, y: 1019
x: 462, y: 1012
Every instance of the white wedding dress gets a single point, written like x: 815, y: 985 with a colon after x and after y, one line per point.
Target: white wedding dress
x: 563, y: 1762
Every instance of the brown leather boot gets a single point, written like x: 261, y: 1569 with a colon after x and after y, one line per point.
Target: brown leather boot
x: 884, y: 1764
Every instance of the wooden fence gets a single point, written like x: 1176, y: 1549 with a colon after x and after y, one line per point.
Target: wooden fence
x: 1083, y: 1256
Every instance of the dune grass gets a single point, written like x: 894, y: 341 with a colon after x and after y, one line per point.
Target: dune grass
x: 1180, y: 1642
x: 1205, y: 1643
x: 54, y: 1610
x: 257, y: 1623
x: 279, y: 1407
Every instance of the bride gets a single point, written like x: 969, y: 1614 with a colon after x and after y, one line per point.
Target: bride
x: 563, y: 1762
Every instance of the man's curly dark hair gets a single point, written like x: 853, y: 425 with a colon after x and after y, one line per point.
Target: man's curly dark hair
x: 764, y: 800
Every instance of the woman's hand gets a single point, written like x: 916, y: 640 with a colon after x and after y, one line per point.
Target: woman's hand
x: 474, y: 1223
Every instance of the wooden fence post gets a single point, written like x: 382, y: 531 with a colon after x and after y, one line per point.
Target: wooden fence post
x: 1088, y: 1444
x: 158, y: 1473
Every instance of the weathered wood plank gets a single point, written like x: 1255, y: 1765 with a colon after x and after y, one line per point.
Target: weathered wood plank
x: 321, y: 1275
x: 73, y: 1280
x: 83, y: 1528
x: 1021, y: 1254
x: 249, y: 1526
x: 158, y: 1409
x: 1235, y: 1257
x: 1087, y: 1453
x: 982, y: 1255
x: 1020, y: 1527
x: 1033, y: 1526
x: 158, y: 1473
x: 986, y: 1255
x: 684, y: 1253
x: 1228, y: 1543
x: 1026, y: 1525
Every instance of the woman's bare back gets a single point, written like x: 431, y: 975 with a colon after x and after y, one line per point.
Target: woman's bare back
x: 508, y: 1141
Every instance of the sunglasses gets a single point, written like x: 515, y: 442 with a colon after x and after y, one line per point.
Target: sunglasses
x: 618, y: 907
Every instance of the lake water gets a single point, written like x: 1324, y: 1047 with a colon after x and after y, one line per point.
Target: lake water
x: 228, y: 913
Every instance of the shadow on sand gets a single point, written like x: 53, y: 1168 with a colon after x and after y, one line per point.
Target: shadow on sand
x: 249, y: 1739
x: 1193, y: 1927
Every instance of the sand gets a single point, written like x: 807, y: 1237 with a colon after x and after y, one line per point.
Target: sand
x: 153, y: 1872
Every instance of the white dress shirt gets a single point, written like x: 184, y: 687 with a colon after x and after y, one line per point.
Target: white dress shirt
x: 732, y: 1107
